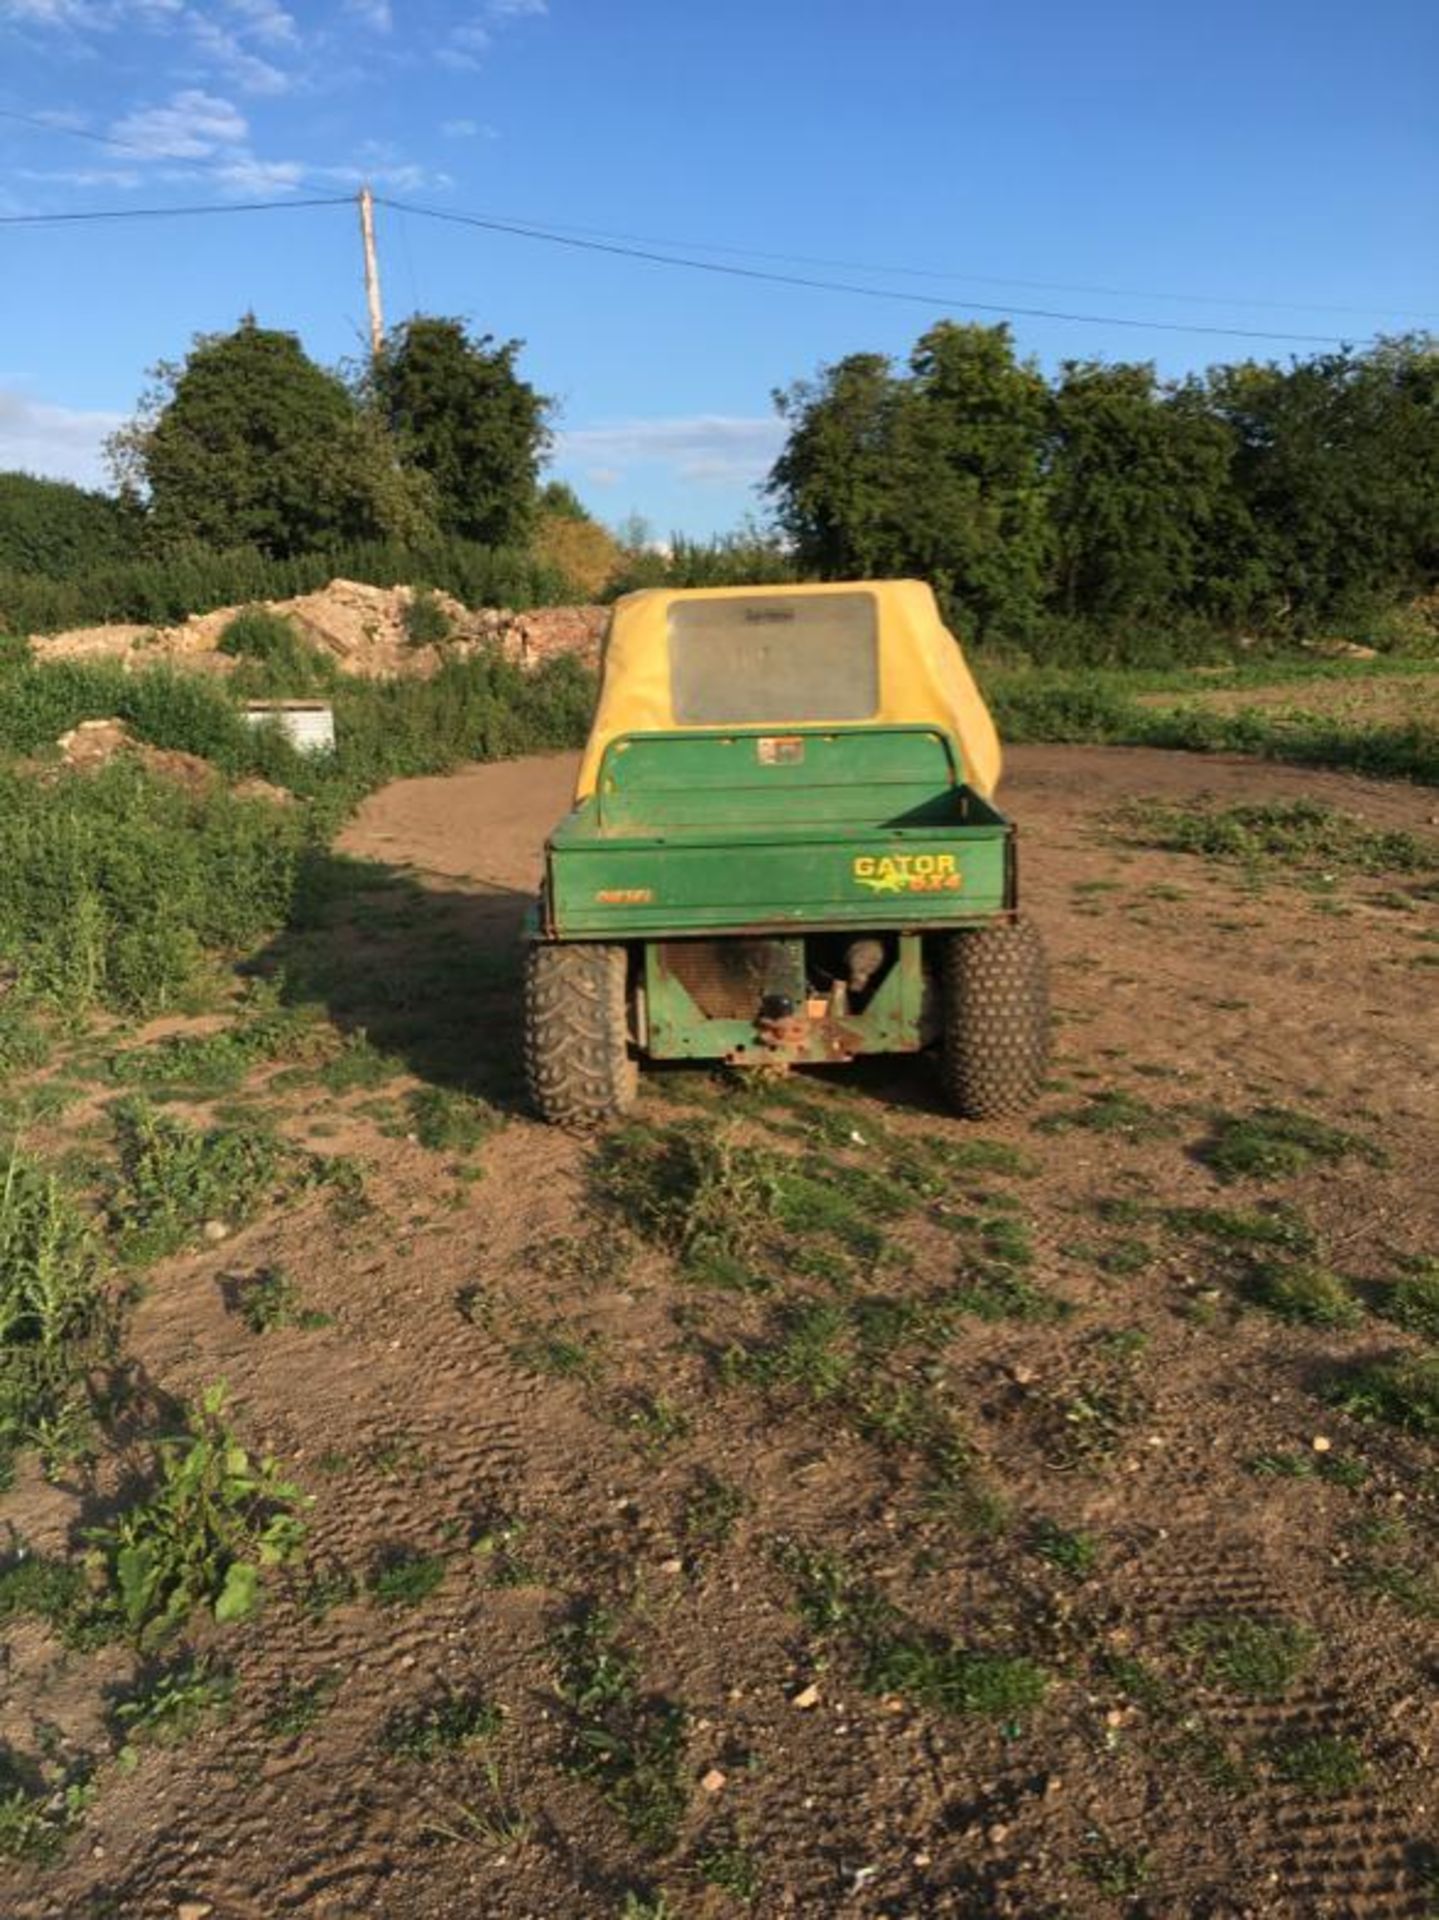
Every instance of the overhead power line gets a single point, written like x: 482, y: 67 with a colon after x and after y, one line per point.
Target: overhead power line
x: 666, y: 259
x: 642, y: 246
x: 169, y: 213
x: 937, y: 273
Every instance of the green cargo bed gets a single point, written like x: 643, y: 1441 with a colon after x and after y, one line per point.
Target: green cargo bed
x: 750, y: 831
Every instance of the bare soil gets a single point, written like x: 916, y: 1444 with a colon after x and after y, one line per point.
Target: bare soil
x: 434, y: 1414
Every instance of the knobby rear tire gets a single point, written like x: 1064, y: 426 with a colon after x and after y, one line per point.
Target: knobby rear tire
x: 577, y: 1054
x: 996, y: 1019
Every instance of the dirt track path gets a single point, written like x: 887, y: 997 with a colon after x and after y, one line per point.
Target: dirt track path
x: 489, y: 822
x: 430, y: 1416
x: 1254, y: 992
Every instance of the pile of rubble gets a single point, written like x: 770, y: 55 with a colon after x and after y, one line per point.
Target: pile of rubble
x: 94, y: 744
x: 363, y: 628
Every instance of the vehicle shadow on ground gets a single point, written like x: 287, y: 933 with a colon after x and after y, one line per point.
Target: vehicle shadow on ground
x: 429, y: 973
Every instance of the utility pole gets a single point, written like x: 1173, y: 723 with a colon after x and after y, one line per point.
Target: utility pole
x: 372, y: 272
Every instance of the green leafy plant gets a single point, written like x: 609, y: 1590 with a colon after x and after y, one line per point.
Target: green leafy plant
x: 274, y: 658
x: 450, y: 1122
x: 729, y: 1865
x: 300, y: 1704
x: 1403, y: 1391
x: 449, y: 1724
x: 1412, y: 1301
x: 894, y: 1654
x: 174, y: 1177
x: 1260, y: 1659
x: 37, y: 1817
x: 405, y: 1578
x: 215, y: 1519
x: 269, y: 1300
x: 1318, y: 1763
x: 631, y: 1746
x: 1069, y: 1549
x: 712, y: 1509
x: 1301, y: 835
x: 1306, y: 1293
x: 426, y: 622
x: 1273, y: 1143
x: 174, y: 1702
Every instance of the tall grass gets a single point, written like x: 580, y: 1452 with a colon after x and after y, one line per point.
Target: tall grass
x: 117, y: 887
x: 1088, y: 709
x: 53, y: 1314
x: 114, y: 887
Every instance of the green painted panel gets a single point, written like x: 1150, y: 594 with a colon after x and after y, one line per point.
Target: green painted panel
x: 649, y: 782
x: 930, y: 877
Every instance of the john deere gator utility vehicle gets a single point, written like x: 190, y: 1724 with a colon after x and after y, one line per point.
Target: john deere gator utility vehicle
x: 783, y: 850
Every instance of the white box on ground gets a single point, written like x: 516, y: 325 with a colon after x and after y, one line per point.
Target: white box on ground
x: 308, y: 724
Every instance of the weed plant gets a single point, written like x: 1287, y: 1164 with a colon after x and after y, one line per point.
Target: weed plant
x: 406, y: 1578
x: 269, y: 1300
x: 214, y: 1520
x: 174, y: 1177
x: 1403, y: 1391
x: 1319, y: 1764
x: 56, y: 1318
x: 1274, y: 1143
x: 173, y: 1703
x: 449, y: 1724
x: 1300, y: 836
x: 115, y: 886
x: 630, y: 1745
x: 274, y: 660
x: 449, y: 1122
x: 894, y: 1655
x: 1260, y: 1659
x: 37, y: 1816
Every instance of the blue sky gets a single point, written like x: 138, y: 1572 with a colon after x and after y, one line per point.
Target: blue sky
x: 1277, y: 161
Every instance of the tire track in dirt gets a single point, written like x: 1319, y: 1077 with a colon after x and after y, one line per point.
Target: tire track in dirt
x: 1314, y: 1855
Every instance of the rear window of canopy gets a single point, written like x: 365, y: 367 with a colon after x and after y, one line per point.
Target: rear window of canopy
x: 772, y: 659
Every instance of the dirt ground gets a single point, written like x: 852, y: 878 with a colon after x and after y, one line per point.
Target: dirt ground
x: 519, y: 1382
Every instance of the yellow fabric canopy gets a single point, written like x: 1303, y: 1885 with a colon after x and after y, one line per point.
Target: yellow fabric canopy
x: 924, y: 679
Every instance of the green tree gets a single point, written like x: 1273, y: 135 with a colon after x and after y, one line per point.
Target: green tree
x: 558, y: 499
x: 53, y: 528
x: 1337, y: 460
x: 834, y: 484
x: 1140, y: 482
x: 938, y: 472
x: 461, y: 415
x: 973, y: 436
x: 250, y: 443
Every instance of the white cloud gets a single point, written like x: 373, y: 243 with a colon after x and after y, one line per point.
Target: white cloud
x: 217, y: 47
x: 376, y: 14
x: 247, y: 176
x: 222, y: 51
x: 116, y: 179
x: 193, y: 125
x: 466, y: 44
x: 469, y: 41
x: 267, y: 20
x: 62, y: 443
x: 720, y: 448
x: 47, y: 13
x: 87, y: 16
